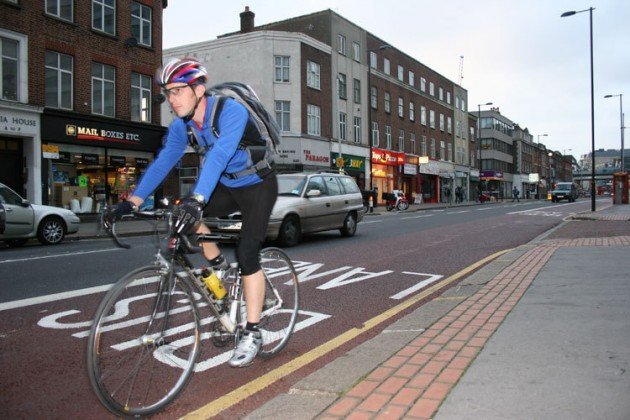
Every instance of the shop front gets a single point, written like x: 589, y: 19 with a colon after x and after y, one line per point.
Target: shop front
x: 384, y: 171
x: 303, y: 155
x: 429, y: 172
x: 352, y: 165
x: 493, y: 184
x: 411, y: 184
x: 88, y: 161
x: 19, y: 149
x: 474, y: 189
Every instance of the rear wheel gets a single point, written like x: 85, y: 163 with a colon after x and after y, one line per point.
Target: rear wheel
x: 349, y: 225
x: 51, y: 230
x: 282, y: 301
x: 144, y: 342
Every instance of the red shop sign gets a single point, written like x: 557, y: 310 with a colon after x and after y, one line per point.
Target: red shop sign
x: 387, y: 157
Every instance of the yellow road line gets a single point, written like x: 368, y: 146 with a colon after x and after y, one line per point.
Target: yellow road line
x: 239, y: 394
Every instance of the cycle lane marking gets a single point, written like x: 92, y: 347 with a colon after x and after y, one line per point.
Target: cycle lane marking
x: 245, y: 391
x: 69, y: 254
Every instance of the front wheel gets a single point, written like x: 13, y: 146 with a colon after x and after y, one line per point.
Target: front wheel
x: 143, y: 343
x: 290, y: 231
x: 51, y: 230
x: 403, y: 205
x: 282, y: 301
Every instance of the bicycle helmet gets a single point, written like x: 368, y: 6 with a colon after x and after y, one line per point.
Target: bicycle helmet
x: 186, y: 70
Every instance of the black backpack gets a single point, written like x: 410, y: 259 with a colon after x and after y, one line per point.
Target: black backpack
x: 261, y: 137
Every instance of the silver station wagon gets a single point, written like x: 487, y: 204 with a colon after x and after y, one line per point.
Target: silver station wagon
x: 307, y: 203
x: 24, y: 220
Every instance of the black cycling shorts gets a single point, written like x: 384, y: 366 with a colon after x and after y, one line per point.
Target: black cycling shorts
x: 255, y: 203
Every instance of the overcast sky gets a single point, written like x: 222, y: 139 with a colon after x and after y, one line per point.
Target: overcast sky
x: 520, y: 55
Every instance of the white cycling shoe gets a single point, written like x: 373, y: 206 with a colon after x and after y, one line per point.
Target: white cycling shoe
x: 247, y: 349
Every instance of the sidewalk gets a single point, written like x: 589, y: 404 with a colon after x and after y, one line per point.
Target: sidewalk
x: 543, y: 331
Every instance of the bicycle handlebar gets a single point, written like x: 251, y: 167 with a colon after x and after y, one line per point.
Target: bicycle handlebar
x: 159, y: 214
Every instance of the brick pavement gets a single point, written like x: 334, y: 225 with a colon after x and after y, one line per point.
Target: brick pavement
x: 416, y: 380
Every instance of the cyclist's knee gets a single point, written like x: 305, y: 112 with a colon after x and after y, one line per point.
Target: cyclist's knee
x: 247, y: 255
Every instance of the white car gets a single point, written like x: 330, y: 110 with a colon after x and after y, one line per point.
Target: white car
x: 307, y: 203
x: 24, y: 220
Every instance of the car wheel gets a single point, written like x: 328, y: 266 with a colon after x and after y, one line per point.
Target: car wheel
x: 349, y: 225
x: 16, y: 242
x: 51, y: 231
x: 290, y: 231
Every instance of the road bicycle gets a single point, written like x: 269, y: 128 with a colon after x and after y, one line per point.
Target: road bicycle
x: 147, y: 331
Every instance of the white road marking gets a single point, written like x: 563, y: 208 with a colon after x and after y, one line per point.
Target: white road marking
x: 72, y: 254
x: 416, y: 217
x: 457, y: 212
x: 546, y: 208
x: 432, y: 278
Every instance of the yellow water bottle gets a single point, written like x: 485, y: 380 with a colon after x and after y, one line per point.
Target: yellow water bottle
x: 213, y: 283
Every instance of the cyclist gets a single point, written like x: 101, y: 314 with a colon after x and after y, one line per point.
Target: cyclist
x: 216, y: 193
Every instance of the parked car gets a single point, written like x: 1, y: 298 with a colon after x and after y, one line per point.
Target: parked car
x: 24, y: 220
x: 307, y: 203
x: 564, y: 191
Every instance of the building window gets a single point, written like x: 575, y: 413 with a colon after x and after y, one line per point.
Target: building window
x: 375, y: 134
x: 412, y: 79
x: 386, y: 68
x: 442, y: 150
x: 343, y: 86
x: 356, y: 90
x: 312, y: 74
x: 103, y: 89
x: 373, y: 97
x: 463, y: 105
x: 450, y: 152
x: 373, y: 60
x: 441, y: 122
x: 432, y: 119
x: 58, y: 89
x: 388, y: 103
x: 412, y: 112
x: 188, y: 177
x: 423, y: 115
x: 343, y: 126
x: 401, y: 73
x: 431, y: 89
x: 357, y: 129
x: 313, y: 119
x: 9, y: 68
x: 432, y: 156
x: 423, y: 84
x: 104, y: 16
x: 449, y: 125
x: 458, y: 128
x: 412, y: 142
x: 61, y: 9
x: 457, y: 102
x: 281, y: 69
x: 401, y: 141
x: 283, y: 115
x: 341, y: 44
x: 441, y: 94
x: 356, y: 51
x: 388, y: 137
x: 140, y: 97
x: 141, y: 23
x: 423, y: 146
x: 448, y: 98
x: 401, y: 107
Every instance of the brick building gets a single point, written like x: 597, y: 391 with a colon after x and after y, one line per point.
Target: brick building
x: 78, y: 119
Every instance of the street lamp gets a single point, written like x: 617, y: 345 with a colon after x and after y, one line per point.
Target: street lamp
x: 622, y: 127
x: 550, y: 154
x: 571, y: 13
x: 541, y: 135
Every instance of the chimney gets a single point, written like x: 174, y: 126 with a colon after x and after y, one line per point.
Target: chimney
x: 247, y: 20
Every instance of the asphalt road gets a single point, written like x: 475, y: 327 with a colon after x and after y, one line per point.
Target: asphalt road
x: 50, y: 293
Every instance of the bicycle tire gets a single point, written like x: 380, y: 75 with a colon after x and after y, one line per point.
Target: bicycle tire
x: 122, y: 345
x: 278, y: 321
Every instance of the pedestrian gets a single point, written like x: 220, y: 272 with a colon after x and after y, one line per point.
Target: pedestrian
x: 458, y: 194
x: 515, y: 194
x: 227, y: 182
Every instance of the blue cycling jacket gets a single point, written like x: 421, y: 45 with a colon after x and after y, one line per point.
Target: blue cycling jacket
x: 223, y: 155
